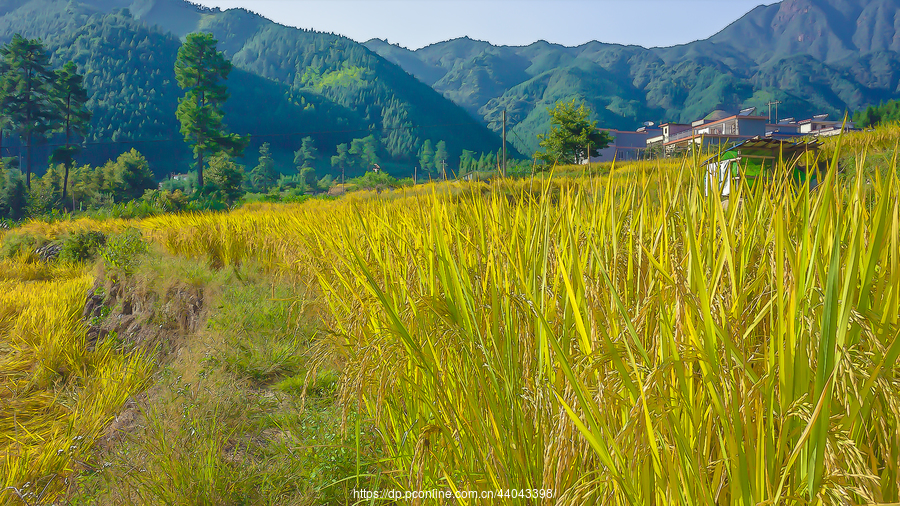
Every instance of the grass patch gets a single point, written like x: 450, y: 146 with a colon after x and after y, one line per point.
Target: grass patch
x: 81, y: 246
x: 227, y: 421
x: 57, y: 394
x: 264, y: 332
x: 20, y: 244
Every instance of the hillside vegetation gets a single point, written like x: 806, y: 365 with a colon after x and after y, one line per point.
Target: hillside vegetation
x: 609, y: 338
x: 288, y: 84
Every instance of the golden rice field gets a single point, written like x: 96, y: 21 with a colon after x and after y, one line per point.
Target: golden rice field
x: 619, y: 340
x: 631, y: 343
x: 56, y: 393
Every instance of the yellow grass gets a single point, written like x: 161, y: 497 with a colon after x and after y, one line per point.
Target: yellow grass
x: 624, y: 343
x: 620, y: 339
x: 56, y: 394
x: 55, y: 229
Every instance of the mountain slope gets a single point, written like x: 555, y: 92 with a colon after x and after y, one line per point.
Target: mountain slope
x: 815, y: 56
x: 338, y: 69
x: 287, y: 83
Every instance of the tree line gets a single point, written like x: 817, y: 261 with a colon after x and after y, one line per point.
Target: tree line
x: 37, y: 102
x: 118, y: 181
x: 888, y: 112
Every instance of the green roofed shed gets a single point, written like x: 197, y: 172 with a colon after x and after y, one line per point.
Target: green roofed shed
x: 755, y: 159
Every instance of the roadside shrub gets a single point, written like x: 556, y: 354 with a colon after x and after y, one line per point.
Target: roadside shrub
x: 373, y: 181
x: 326, y: 182
x: 82, y: 246
x: 296, y: 196
x: 122, y: 251
x: 19, y: 243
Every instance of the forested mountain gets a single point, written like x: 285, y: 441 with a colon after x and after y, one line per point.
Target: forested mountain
x: 815, y: 56
x: 287, y: 84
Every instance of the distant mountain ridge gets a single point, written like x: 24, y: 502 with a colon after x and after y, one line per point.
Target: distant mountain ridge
x: 287, y: 83
x: 815, y: 56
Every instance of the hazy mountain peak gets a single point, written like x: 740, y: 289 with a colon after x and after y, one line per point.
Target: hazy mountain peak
x: 815, y: 56
x: 827, y: 30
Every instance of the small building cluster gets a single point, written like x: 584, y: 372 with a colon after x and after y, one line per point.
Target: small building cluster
x: 717, y: 129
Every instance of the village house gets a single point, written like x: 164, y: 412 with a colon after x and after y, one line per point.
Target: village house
x: 721, y: 128
x: 817, y: 126
x: 717, y: 128
x: 785, y: 129
x: 626, y: 145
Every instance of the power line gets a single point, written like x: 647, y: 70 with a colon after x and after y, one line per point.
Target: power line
x: 512, y: 131
x: 292, y: 134
x: 520, y: 139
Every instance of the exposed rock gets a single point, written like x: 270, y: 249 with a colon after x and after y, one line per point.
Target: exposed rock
x: 140, y: 317
x: 48, y: 252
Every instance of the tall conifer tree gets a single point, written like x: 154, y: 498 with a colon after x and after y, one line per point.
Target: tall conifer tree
x: 201, y: 70
x: 426, y: 156
x: 264, y: 175
x: 306, y: 155
x: 71, y: 99
x: 440, y: 155
x: 26, y: 91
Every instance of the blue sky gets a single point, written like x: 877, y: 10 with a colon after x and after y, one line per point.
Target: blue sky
x: 417, y: 23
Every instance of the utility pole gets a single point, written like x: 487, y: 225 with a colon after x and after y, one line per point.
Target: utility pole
x: 770, y: 104
x: 444, y: 168
x: 503, y: 165
x: 415, y: 175
x: 533, y: 166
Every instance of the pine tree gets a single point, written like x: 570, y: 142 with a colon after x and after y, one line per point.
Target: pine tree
x: 71, y: 99
x: 308, y: 176
x: 440, y: 155
x: 357, y: 153
x: 25, y: 91
x: 227, y: 176
x: 306, y: 155
x: 13, y: 195
x: 370, y: 151
x: 426, y: 156
x: 341, y: 160
x: 264, y: 175
x: 467, y: 160
x: 200, y: 68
